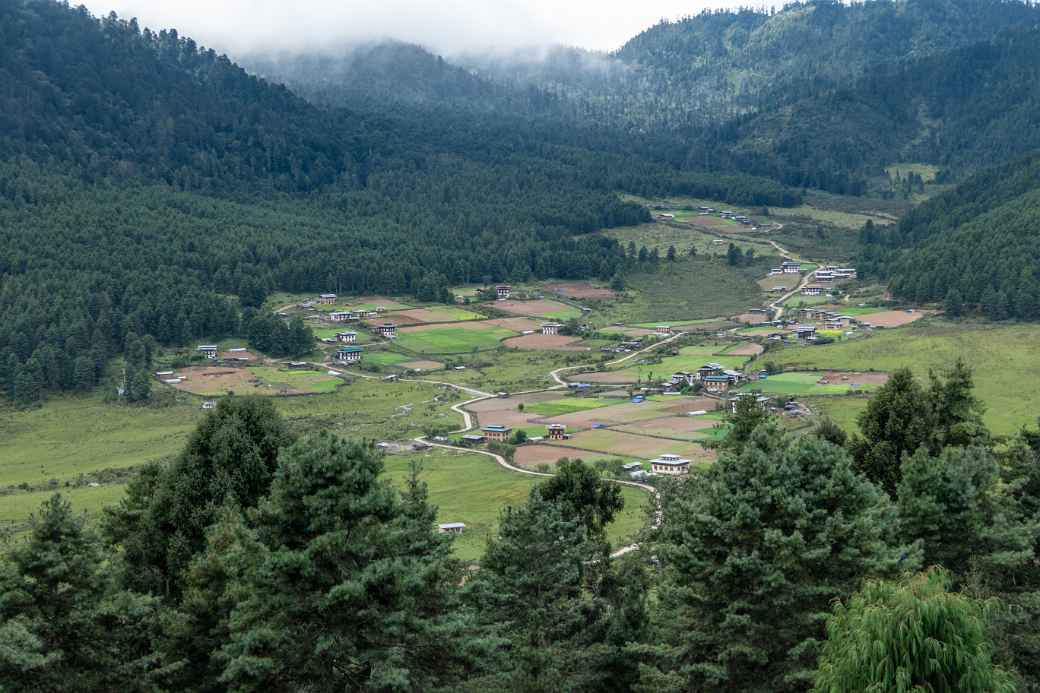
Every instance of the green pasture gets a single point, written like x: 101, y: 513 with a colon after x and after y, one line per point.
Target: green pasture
x: 1004, y: 358
x: 16, y: 508
x: 385, y: 358
x: 570, y: 405
x: 473, y: 489
x: 842, y: 410
x: 453, y: 340
x: 792, y: 383
x: 310, y: 382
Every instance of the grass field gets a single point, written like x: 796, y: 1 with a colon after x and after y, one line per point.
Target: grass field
x: 453, y: 339
x: 1005, y: 359
x: 690, y: 358
x: 802, y: 384
x: 310, y: 382
x: 471, y: 488
x: 569, y: 405
x: 688, y: 290
x: 16, y: 508
x: 69, y: 436
x: 683, y: 237
x: 384, y: 358
x: 843, y: 410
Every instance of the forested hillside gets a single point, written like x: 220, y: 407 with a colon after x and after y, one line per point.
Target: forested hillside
x: 976, y: 248
x: 151, y: 187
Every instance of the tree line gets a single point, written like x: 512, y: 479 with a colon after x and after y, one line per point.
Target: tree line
x: 262, y: 559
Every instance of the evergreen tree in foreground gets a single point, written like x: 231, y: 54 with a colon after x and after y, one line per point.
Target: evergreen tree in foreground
x: 909, y: 636
x: 353, y: 587
x: 752, y: 552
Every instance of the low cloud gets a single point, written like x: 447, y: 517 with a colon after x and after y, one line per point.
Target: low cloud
x: 450, y: 27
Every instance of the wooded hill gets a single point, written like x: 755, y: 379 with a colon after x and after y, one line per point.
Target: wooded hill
x: 975, y: 248
x: 152, y: 187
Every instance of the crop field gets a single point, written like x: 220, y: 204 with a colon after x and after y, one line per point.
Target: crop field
x: 473, y: 489
x: 255, y: 380
x: 434, y: 314
x: 515, y: 324
x: 569, y: 405
x: 457, y: 338
x: 555, y: 342
x: 1002, y: 356
x: 530, y: 456
x: 580, y: 290
x: 509, y: 370
x: 683, y: 427
x: 384, y: 357
x: 893, y: 318
x: 612, y: 441
x: 422, y: 365
x: 543, y: 308
x: 812, y: 383
x: 687, y: 290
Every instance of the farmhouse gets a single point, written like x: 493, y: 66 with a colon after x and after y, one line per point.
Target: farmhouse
x: 716, y: 383
x: 207, y: 350
x: 342, y: 316
x: 556, y: 431
x: 451, y: 528
x: 551, y: 328
x: 496, y: 432
x: 350, y: 354
x: 824, y: 275
x: 791, y: 267
x: 683, y: 379
x: 473, y: 438
x: 388, y: 330
x: 812, y: 290
x: 209, y: 404
x: 327, y: 299
x: 807, y: 332
x: 709, y: 369
x: 347, y: 337
x: 672, y: 465
x: 502, y: 291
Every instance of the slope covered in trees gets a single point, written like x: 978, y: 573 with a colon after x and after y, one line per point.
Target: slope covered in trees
x: 149, y: 187
x: 976, y: 248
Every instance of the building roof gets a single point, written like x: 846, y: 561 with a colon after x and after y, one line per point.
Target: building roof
x: 207, y: 347
x: 452, y: 525
x: 350, y: 350
x: 496, y: 427
x: 556, y: 425
x: 672, y: 460
x: 716, y: 378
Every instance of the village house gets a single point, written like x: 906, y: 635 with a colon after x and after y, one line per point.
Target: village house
x: 683, y: 379
x: 473, y: 438
x: 791, y: 267
x: 716, y: 384
x: 207, y: 350
x: 502, y: 291
x: 551, y: 328
x: 709, y: 369
x: 556, y: 431
x: 388, y: 330
x: 209, y: 404
x: 495, y: 432
x: 824, y: 275
x: 812, y: 290
x: 351, y: 354
x: 844, y: 272
x: 806, y: 332
x: 347, y: 337
x: 342, y: 316
x: 451, y: 528
x: 327, y: 299
x: 669, y: 464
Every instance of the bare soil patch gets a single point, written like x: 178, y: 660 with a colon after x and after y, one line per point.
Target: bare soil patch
x: 247, y: 355
x: 516, y: 324
x: 398, y: 319
x: 580, y: 290
x: 607, y: 377
x: 423, y: 365
x: 894, y: 318
x: 205, y: 380
x: 847, y: 378
x: 534, y: 455
x: 752, y: 318
x: 554, y: 342
x: 633, y: 445
x: 749, y: 349
x: 674, y: 426
x: 542, y: 307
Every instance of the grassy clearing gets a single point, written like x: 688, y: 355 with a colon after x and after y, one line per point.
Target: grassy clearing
x: 384, y: 358
x: 570, y: 405
x: 473, y: 489
x: 690, y: 358
x: 685, y: 236
x: 1005, y: 357
x: 16, y: 508
x: 310, y: 382
x: 688, y: 289
x: 843, y: 410
x: 453, y: 340
x: 509, y: 370
x: 69, y: 436
x: 803, y: 384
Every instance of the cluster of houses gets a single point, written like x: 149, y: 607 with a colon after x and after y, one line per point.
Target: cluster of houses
x: 355, y: 315
x: 831, y: 273
x: 787, y: 267
x: 714, y: 378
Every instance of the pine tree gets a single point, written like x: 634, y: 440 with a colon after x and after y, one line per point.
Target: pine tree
x: 354, y: 589
x: 752, y: 553
x: 670, y: 255
x: 912, y: 635
x: 954, y: 304
x: 583, y: 495
x: 66, y: 624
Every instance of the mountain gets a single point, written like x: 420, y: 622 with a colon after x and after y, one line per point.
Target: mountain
x: 975, y: 248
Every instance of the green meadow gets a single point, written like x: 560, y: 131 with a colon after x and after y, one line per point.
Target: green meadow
x: 1003, y: 357
x: 473, y: 489
x: 793, y: 383
x: 570, y: 405
x: 453, y: 340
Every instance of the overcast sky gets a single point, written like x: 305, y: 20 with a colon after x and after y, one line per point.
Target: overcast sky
x: 447, y: 26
